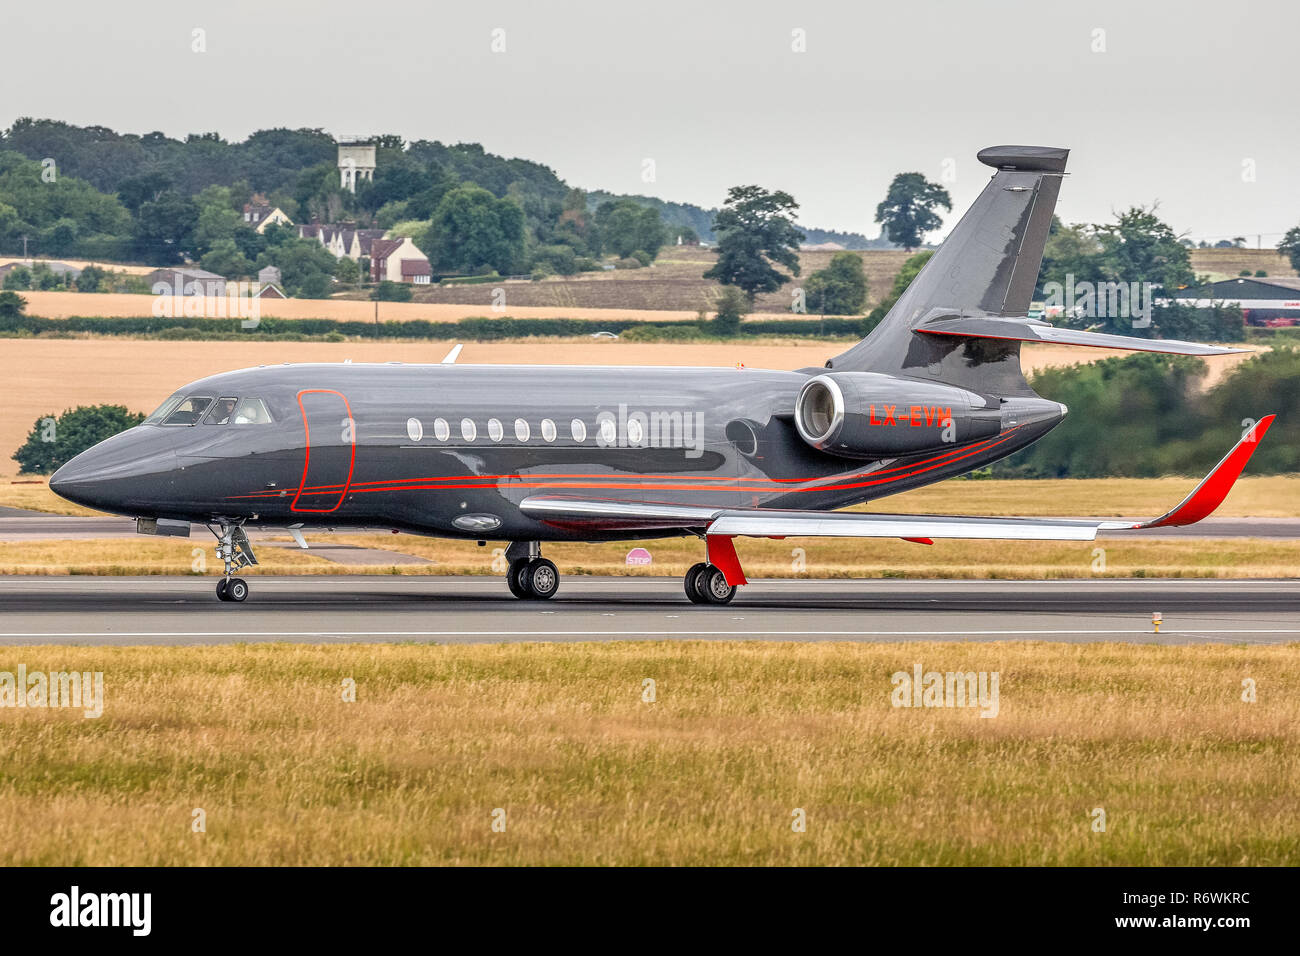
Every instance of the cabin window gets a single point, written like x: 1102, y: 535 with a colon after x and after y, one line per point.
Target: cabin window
x: 468, y: 430
x: 634, y: 431
x: 548, y: 429
x: 189, y: 410
x: 414, y: 429
x: 521, y: 430
x: 441, y: 430
x: 607, y: 431
x: 495, y: 431
x: 220, y: 412
x: 251, y: 411
x: 578, y: 430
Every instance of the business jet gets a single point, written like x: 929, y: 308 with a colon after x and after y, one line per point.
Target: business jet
x: 535, y: 454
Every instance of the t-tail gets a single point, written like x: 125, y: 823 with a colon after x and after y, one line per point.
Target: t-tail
x: 962, y: 319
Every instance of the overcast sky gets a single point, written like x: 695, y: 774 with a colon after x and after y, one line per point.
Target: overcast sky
x: 1190, y: 103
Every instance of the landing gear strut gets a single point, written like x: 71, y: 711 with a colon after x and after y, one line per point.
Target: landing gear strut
x: 706, y: 584
x: 235, y: 552
x: 529, y: 574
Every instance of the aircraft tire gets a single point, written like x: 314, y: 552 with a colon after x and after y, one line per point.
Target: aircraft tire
x: 221, y: 590
x: 713, y: 585
x: 514, y: 579
x: 236, y: 590
x: 690, y: 584
x: 542, y: 578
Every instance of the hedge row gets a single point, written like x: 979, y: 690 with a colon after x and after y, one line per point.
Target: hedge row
x: 476, y: 329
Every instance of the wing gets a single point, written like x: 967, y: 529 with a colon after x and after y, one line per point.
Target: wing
x: 721, y: 525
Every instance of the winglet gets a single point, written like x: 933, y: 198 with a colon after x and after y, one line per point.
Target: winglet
x: 1209, y: 494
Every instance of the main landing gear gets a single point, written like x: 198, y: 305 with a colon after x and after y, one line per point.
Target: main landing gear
x: 706, y: 584
x: 529, y: 574
x: 235, y: 552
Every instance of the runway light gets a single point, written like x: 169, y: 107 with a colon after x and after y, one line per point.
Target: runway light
x: 1155, y: 621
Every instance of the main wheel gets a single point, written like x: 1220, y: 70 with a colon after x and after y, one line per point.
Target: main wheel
x: 691, y: 583
x: 236, y: 589
x: 714, y: 586
x: 221, y: 590
x: 514, y: 578
x: 542, y: 578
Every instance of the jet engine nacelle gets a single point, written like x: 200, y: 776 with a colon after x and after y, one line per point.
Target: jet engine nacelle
x: 870, y: 415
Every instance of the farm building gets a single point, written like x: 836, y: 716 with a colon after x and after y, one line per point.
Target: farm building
x: 1263, y: 301
x: 177, y: 281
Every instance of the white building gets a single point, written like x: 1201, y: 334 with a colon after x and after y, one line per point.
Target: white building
x: 356, y: 162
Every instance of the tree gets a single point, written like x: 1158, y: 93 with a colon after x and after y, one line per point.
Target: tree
x: 472, y: 229
x: 1138, y: 247
x: 91, y: 279
x: 840, y: 288
x: 53, y: 441
x: 306, y: 267
x: 732, y: 306
x: 907, y: 212
x: 755, y: 228
x: 225, y: 258
x: 347, y: 271
x: 1290, y: 247
x: 11, y: 305
x: 911, y: 269
x: 164, y: 228
x: 626, y: 227
x: 19, y: 277
x: 217, y: 220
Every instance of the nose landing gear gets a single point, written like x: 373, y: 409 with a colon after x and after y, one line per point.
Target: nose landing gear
x: 235, y: 552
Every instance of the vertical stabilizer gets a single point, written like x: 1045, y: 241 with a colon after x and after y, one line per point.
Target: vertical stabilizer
x: 988, y: 265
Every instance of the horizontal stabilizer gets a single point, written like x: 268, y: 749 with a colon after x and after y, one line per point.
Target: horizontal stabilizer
x: 1030, y: 330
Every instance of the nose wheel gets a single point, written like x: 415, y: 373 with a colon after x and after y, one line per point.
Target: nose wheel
x: 235, y: 552
x: 706, y: 584
x: 232, y: 589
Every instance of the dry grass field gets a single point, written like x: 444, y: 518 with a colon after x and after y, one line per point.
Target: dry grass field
x: 819, y: 558
x: 47, y: 376
x: 556, y: 742
x: 1228, y: 263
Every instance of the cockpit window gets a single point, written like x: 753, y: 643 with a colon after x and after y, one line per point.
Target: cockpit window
x: 220, y: 412
x: 162, y: 411
x: 252, y: 411
x: 189, y: 410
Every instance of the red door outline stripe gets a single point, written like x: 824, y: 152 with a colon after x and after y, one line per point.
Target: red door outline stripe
x: 306, y: 462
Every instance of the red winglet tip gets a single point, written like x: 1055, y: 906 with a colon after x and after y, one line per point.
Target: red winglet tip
x: 1211, y: 492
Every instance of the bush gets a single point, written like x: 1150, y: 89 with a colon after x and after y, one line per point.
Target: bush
x: 19, y: 278
x: 53, y: 441
x: 673, y: 332
x: 11, y: 305
x: 731, y: 308
x: 91, y: 279
x: 643, y: 257
x: 388, y: 291
x: 628, y: 263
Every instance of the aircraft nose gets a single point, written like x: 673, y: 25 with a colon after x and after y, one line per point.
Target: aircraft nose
x: 111, y: 475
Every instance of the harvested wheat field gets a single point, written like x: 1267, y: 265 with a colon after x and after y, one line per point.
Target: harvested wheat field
x: 50, y: 375
x: 738, y: 742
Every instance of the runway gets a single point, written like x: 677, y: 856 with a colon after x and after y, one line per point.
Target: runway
x: 17, y: 525
x: 333, y: 609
